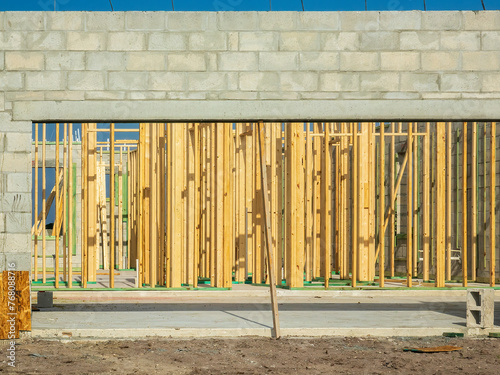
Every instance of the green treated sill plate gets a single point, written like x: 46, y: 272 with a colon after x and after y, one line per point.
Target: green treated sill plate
x: 495, y: 335
x: 453, y: 334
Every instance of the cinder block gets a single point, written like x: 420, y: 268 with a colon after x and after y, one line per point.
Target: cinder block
x: 319, y: 95
x: 18, y: 222
x: 480, y: 308
x: 65, y: 60
x: 483, y: 60
x: 106, y: 61
x: 2, y: 60
x: 299, y: 41
x: 379, y: 82
x: 167, y: 42
x: 258, y: 41
x: 419, y: 82
x: 168, y: 81
x: 209, y: 81
x: 381, y: 40
x: 48, y: 40
x: 441, y: 21
x: 186, y: 62
x: 238, y: 95
x: 406, y: 61
x: 343, y: 41
x: 126, y: 41
x: 105, y: 21
x: 2, y: 27
x: 481, y: 20
x: 259, y: 81
x: 24, y: 95
x: 440, y: 61
x: 22, y: 260
x: 465, y: 82
x: 21, y: 201
x: 191, y: 21
x: 144, y: 61
x: 2, y: 101
x: 18, y: 182
x: 278, y: 61
x: 359, y: 61
x: 328, y: 21
x: 17, y: 142
x: 86, y: 81
x: 17, y: 60
x: 460, y: 40
x: 418, y: 40
x: 299, y: 81
x: 45, y: 300
x: 128, y: 81
x: 2, y: 223
x: 359, y: 21
x: 491, y: 82
x: 14, y: 41
x: 278, y: 20
x: 26, y: 21
x: 339, y: 82
x: 65, y: 20
x: 85, y: 41
x: 400, y: 95
x: 145, y: 20
x: 44, y: 81
x: 208, y: 41
x: 319, y: 61
x: 238, y: 61
x: 490, y: 40
x: 400, y: 20
x: 235, y: 21
x: 232, y: 41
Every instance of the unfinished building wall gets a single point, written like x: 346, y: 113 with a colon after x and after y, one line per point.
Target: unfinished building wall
x: 228, y: 66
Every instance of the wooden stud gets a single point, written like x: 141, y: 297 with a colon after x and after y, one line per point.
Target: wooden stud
x: 409, y: 209
x: 65, y: 202
x: 448, y: 200
x: 440, y: 203
x: 426, y: 205
x: 355, y: 192
x: 464, y: 207
x: 493, y: 204
x: 44, y: 201
x: 382, y: 207
x: 415, y: 211
x: 392, y: 197
x: 197, y: 202
x: 309, y: 203
x: 70, y: 205
x: 474, y: 203
x: 84, y: 204
x: 35, y: 252
x: 120, y: 211
x: 326, y: 198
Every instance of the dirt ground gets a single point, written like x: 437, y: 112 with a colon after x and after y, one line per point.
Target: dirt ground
x: 254, y: 356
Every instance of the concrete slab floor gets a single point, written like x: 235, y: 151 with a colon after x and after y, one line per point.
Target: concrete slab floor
x: 247, y: 312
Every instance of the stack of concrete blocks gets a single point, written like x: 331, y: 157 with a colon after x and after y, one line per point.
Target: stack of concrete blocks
x: 480, y: 310
x: 182, y: 66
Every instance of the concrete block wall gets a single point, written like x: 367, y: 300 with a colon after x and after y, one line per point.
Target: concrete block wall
x: 228, y: 57
x: 249, y: 55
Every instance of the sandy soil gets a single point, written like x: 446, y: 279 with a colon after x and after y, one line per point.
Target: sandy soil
x: 254, y: 356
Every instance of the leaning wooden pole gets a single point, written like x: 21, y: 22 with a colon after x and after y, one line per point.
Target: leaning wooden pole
x: 269, y: 242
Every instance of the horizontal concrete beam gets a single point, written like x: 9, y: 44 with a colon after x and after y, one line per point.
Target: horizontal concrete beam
x: 272, y: 110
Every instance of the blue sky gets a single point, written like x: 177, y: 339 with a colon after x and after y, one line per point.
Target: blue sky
x: 241, y: 5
